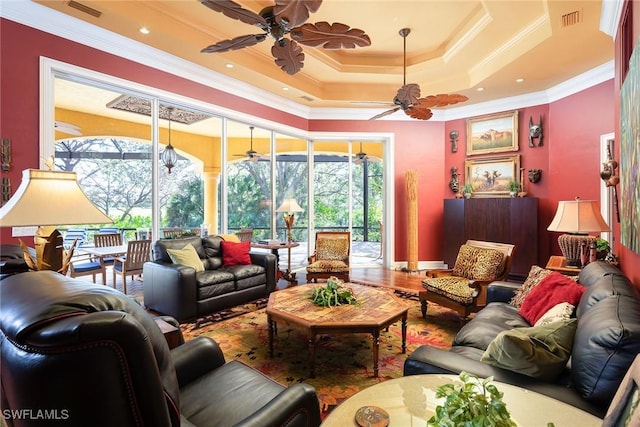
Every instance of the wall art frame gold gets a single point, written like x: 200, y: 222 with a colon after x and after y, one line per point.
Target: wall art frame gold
x: 490, y: 176
x: 494, y: 133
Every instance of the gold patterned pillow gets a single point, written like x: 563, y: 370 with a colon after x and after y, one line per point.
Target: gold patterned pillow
x: 478, y: 263
x: 332, y: 249
x: 535, y: 276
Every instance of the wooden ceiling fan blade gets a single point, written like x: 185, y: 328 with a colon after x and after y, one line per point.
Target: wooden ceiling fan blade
x: 418, y: 112
x: 288, y: 56
x: 234, y: 11
x: 291, y: 14
x: 408, y: 94
x: 236, y: 43
x: 330, y: 36
x: 385, y: 113
x: 441, y: 100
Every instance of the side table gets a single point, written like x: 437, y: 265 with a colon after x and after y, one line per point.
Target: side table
x: 171, y: 333
x: 559, y: 264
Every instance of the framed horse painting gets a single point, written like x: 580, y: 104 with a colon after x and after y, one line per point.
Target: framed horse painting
x: 494, y: 133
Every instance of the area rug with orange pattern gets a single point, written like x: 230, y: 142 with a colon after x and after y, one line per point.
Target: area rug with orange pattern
x: 343, y: 363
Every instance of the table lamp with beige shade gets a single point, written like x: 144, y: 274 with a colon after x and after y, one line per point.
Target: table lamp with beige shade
x: 48, y: 199
x: 577, y: 218
x: 288, y: 208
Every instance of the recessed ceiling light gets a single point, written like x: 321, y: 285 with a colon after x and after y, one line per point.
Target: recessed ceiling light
x: 229, y: 65
x: 480, y: 89
x: 285, y: 88
x: 144, y: 30
x: 519, y: 80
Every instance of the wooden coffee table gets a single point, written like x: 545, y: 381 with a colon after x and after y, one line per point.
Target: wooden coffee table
x: 376, y: 310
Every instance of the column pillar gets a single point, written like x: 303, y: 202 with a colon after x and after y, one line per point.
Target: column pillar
x: 211, y: 179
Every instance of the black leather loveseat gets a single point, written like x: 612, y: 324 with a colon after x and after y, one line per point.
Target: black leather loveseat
x: 183, y: 293
x: 606, y: 341
x: 78, y: 354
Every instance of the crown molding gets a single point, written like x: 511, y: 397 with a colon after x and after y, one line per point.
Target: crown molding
x: 610, y: 16
x: 51, y: 21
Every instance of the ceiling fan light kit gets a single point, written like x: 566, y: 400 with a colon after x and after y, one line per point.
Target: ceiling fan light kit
x: 286, y: 17
x: 408, y: 98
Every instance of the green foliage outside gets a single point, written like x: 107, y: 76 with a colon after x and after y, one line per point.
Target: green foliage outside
x: 123, y: 190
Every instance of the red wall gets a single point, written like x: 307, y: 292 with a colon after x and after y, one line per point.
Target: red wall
x: 569, y: 156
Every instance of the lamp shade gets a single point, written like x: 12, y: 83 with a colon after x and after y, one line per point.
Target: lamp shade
x: 289, y: 205
x: 50, y: 198
x: 578, y: 217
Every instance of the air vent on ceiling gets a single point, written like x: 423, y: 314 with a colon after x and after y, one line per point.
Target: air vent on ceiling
x: 571, y: 18
x: 84, y: 8
x: 307, y: 98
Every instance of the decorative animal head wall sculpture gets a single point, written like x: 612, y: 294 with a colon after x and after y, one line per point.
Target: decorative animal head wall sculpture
x: 535, y: 175
x: 535, y: 132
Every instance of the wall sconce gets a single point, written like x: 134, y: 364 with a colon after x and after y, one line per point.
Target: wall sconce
x: 5, y: 153
x: 453, y: 137
x: 169, y: 156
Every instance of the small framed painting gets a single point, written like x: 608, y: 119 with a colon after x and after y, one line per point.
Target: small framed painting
x: 490, y: 176
x: 495, y: 133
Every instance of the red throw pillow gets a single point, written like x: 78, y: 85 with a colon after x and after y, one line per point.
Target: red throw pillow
x: 553, y: 289
x: 235, y: 253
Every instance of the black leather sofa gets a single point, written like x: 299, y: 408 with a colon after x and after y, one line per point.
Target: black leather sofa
x: 605, y: 344
x: 183, y: 293
x: 78, y: 354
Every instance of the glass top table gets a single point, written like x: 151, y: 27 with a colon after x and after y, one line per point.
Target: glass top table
x: 411, y: 401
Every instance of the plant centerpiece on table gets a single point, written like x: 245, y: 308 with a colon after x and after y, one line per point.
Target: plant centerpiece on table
x: 475, y: 402
x: 333, y: 294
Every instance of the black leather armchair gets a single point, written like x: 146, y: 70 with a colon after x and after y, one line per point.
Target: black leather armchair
x: 85, y: 354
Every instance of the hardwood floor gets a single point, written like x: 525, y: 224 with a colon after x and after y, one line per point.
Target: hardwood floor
x: 409, y: 282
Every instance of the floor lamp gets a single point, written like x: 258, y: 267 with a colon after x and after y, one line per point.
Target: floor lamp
x: 288, y: 209
x: 49, y: 199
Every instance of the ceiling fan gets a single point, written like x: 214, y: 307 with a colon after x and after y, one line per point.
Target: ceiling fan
x: 67, y: 128
x: 251, y: 154
x: 286, y: 17
x: 408, y: 97
x: 361, y: 157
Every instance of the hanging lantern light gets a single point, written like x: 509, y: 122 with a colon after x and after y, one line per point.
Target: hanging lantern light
x: 169, y: 156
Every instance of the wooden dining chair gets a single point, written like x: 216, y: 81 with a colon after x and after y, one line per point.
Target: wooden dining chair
x: 130, y: 264
x: 83, y: 265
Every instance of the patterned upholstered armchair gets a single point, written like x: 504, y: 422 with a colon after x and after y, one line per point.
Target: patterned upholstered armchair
x: 331, y: 257
x: 464, y: 288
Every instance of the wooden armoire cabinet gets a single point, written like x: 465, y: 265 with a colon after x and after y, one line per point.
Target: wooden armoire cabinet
x: 503, y: 220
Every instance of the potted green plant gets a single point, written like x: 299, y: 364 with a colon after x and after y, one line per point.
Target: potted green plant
x: 467, y: 190
x: 602, y: 248
x: 514, y: 188
x: 475, y: 402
